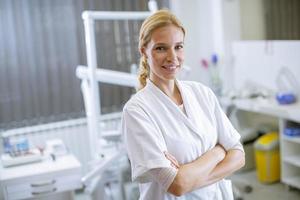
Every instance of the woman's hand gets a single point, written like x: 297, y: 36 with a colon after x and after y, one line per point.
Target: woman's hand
x: 174, y: 162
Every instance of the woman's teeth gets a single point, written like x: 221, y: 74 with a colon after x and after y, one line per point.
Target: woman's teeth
x: 170, y: 67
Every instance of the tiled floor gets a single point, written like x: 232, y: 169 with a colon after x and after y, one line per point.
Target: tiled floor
x: 260, y: 191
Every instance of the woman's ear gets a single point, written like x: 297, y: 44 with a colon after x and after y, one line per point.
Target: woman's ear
x: 143, y: 52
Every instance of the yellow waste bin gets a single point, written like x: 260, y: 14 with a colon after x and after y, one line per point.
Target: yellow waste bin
x: 267, y: 158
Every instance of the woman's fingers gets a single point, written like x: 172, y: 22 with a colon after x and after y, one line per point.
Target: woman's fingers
x: 172, y: 165
x: 173, y: 160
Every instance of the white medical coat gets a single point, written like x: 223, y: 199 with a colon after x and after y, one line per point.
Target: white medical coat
x: 152, y: 123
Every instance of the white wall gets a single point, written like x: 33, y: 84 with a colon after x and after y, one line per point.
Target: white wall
x: 195, y: 16
x: 232, y: 32
x: 211, y: 26
x: 260, y: 63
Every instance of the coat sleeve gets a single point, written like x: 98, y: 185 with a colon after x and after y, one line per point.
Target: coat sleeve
x: 228, y: 136
x: 144, y: 143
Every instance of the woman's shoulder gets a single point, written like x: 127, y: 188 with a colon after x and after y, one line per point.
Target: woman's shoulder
x: 196, y: 86
x: 136, y: 101
x: 200, y: 92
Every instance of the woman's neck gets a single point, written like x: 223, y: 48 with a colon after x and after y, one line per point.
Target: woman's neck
x: 170, y: 89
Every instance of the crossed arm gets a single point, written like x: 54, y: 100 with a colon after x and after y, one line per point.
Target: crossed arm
x: 209, y: 168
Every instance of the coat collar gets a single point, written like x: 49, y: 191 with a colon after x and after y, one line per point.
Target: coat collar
x: 187, y: 119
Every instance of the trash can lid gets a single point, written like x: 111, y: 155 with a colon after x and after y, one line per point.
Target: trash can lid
x: 268, y: 141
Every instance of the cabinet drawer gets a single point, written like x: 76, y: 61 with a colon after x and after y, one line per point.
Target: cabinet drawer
x: 43, y: 187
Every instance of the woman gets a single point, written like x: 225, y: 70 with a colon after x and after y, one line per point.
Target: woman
x: 179, y: 142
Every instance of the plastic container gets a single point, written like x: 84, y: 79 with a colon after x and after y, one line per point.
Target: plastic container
x: 267, y: 158
x: 285, y: 98
x: 292, y: 131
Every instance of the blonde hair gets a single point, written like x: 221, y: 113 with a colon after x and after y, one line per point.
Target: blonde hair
x: 160, y: 18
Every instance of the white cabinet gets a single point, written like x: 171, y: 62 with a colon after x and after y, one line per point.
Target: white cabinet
x: 289, y: 145
x: 290, y: 156
x: 44, y: 180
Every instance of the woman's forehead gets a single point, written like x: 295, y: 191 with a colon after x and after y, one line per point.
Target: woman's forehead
x: 167, y: 34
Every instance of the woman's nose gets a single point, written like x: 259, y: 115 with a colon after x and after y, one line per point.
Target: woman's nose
x: 171, y: 56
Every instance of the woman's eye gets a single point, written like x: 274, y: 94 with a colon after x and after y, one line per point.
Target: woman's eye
x: 179, y: 47
x: 160, y: 48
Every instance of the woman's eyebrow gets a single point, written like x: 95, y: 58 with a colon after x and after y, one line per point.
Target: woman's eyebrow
x: 165, y: 44
x: 161, y: 44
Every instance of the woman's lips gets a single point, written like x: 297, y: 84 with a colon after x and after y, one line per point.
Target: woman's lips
x: 170, y: 67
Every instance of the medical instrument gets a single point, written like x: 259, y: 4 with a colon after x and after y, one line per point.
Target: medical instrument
x: 91, y: 75
x: 17, y: 151
x: 287, y: 82
x: 211, y: 65
x: 288, y: 87
x: 56, y: 147
x: 30, y: 156
x: 15, y: 146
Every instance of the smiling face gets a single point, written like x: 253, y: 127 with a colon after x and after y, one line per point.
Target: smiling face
x: 164, y: 53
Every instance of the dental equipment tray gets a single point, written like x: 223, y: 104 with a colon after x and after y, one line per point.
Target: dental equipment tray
x: 33, y: 155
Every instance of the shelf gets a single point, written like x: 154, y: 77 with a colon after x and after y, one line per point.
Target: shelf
x: 294, y: 160
x: 268, y: 107
x: 292, y: 181
x: 291, y: 139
